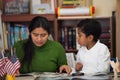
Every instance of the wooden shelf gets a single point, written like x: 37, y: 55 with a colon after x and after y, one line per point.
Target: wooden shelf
x: 75, y: 51
x: 25, y: 17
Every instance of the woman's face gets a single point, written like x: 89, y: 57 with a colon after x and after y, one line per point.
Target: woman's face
x: 39, y: 36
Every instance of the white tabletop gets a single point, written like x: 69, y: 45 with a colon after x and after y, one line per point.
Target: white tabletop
x: 25, y: 78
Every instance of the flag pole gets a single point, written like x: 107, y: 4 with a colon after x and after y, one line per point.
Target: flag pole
x: 3, y: 54
x: 2, y: 73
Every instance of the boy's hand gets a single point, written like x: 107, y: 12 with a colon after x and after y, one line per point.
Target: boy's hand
x: 78, y: 66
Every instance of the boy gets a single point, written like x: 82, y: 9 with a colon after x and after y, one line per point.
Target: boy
x: 93, y: 56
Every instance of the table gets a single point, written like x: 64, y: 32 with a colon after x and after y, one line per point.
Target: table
x: 64, y: 77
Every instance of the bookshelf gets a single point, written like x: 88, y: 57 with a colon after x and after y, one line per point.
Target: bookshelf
x: 107, y: 33
x: 65, y: 25
x: 67, y: 22
x: 24, y: 19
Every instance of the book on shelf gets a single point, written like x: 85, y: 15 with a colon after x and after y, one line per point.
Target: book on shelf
x: 74, y: 3
x: 105, y: 35
x: 16, y: 6
x: 68, y: 35
x: 17, y: 33
x: 1, y: 34
x: 20, y: 32
x: 4, y: 35
x: 65, y: 38
x: 71, y: 38
x: 74, y: 38
x: 23, y: 32
x: 62, y: 36
x: 77, y: 44
x: 12, y: 33
x: 7, y: 25
x: 68, y: 38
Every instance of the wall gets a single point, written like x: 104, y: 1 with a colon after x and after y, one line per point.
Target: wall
x: 104, y: 8
x: 118, y: 28
x: 119, y: 35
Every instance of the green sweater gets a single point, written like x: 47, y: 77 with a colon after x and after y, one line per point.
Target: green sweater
x: 47, y: 58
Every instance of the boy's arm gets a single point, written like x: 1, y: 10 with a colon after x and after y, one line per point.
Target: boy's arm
x: 104, y: 60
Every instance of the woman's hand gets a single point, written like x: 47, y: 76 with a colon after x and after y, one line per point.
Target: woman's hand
x: 78, y: 66
x: 17, y: 72
x: 65, y: 68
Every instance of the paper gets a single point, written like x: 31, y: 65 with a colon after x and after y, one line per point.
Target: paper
x: 74, y: 11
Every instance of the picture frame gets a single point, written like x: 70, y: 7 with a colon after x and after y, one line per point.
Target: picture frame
x: 16, y: 6
x: 42, y: 7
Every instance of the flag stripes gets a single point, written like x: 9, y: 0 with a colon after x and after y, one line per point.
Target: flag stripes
x: 9, y: 66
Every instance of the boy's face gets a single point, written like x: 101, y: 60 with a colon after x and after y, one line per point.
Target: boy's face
x: 82, y: 39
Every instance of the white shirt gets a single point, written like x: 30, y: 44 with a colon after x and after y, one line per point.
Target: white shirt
x: 95, y: 60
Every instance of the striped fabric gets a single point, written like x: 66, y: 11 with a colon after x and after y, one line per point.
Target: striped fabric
x: 2, y: 63
x: 12, y: 65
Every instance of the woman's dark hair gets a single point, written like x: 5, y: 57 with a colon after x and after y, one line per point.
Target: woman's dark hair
x: 90, y: 27
x: 28, y: 46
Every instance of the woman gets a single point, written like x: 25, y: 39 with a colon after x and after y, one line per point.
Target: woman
x: 37, y: 53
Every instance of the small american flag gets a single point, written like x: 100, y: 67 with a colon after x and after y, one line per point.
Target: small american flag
x: 2, y: 64
x: 12, y: 65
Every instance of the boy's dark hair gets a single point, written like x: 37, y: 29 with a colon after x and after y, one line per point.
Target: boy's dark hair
x: 90, y: 27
